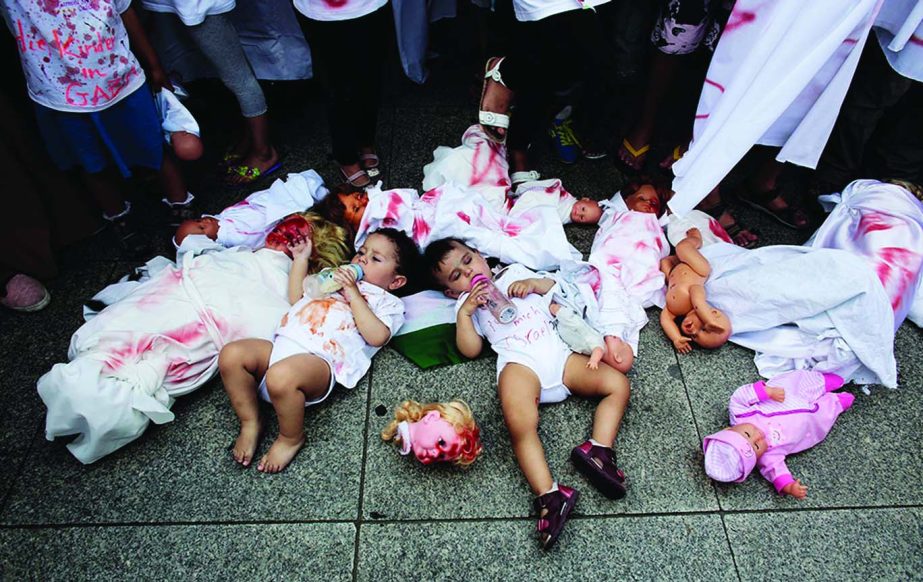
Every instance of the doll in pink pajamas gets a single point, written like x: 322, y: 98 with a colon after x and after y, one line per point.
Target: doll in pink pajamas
x: 790, y: 413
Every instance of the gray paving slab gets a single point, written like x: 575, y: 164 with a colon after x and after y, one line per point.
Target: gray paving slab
x: 865, y: 460
x: 207, y: 552
x: 656, y: 446
x: 656, y: 548
x: 413, y: 145
x: 858, y: 544
x: 183, y: 471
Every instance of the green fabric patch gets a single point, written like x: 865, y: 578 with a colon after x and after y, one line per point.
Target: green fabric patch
x: 430, y: 346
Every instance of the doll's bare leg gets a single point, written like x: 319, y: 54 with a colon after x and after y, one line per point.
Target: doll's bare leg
x: 519, y: 389
x: 607, y: 383
x: 618, y: 354
x: 290, y: 383
x: 242, y: 365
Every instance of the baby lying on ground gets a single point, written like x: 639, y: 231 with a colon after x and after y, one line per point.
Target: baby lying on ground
x: 318, y: 343
x: 249, y: 221
x: 686, y: 272
x: 771, y: 420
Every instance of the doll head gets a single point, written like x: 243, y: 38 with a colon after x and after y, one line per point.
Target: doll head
x: 387, y: 257
x: 435, y: 432
x: 187, y: 146
x: 731, y: 454
x: 586, y: 211
x: 207, y: 225
x: 704, y: 336
x: 344, y: 206
x: 329, y: 240
x: 453, y: 264
x: 646, y: 194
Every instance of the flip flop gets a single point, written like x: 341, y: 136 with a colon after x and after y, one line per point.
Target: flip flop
x: 632, y: 157
x: 249, y: 174
x: 792, y: 216
x: 491, y: 119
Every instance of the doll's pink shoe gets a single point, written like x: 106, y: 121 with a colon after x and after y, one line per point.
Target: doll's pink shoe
x: 598, y: 465
x: 553, y: 509
x: 23, y: 293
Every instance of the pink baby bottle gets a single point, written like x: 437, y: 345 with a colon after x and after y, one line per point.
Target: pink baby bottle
x: 498, y: 303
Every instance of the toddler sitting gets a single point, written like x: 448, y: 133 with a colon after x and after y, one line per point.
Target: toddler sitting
x: 685, y: 273
x: 770, y: 420
x: 533, y: 365
x: 318, y: 343
x: 249, y: 221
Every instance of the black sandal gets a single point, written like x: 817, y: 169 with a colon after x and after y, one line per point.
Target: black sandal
x: 735, y: 231
x: 792, y: 216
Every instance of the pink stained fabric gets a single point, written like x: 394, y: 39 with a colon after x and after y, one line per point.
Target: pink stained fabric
x: 883, y: 224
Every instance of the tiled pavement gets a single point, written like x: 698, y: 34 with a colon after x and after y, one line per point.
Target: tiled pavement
x: 174, y: 505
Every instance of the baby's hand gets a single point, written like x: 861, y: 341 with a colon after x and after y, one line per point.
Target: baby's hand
x: 346, y: 278
x: 300, y: 248
x: 475, y: 299
x: 775, y: 393
x: 796, y: 489
x: 521, y: 288
x: 683, y: 344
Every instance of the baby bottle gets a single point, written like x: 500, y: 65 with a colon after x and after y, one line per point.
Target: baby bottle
x: 322, y: 283
x: 498, y: 304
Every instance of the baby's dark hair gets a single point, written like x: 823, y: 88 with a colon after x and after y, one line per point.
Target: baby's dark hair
x: 435, y: 253
x: 408, y: 258
x: 660, y: 184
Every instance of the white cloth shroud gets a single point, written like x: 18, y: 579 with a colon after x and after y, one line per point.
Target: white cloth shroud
x: 899, y: 28
x: 160, y: 341
x: 803, y: 308
x: 883, y: 224
x: 174, y: 116
x: 535, y: 238
x: 778, y: 77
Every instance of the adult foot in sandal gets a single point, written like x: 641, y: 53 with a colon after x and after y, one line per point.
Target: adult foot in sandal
x: 633, y: 157
x: 493, y: 110
x: 740, y: 235
x: 253, y: 167
x: 772, y: 203
x: 370, y: 162
x: 673, y: 157
x: 355, y: 176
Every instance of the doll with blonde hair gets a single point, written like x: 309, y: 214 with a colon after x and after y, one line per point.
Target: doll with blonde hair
x: 435, y: 431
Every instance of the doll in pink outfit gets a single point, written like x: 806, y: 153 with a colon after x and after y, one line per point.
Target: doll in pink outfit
x: 771, y: 420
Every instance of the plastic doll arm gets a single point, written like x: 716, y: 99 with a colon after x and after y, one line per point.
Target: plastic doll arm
x: 773, y: 468
x: 682, y: 343
x: 688, y: 252
x: 795, y: 489
x: 144, y: 50
x: 703, y: 309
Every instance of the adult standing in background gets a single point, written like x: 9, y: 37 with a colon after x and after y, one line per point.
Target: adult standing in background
x: 347, y: 42
x: 210, y: 27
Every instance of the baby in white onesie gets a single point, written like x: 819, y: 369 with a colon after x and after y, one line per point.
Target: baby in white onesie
x: 319, y: 342
x: 533, y: 365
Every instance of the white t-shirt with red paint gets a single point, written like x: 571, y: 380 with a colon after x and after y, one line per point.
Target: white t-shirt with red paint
x: 530, y: 10
x: 75, y: 53
x: 191, y: 12
x: 326, y: 328
x: 337, y: 9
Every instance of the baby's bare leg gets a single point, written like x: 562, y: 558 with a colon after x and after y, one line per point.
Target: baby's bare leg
x: 605, y: 382
x: 618, y: 354
x: 242, y: 365
x: 519, y: 390
x: 290, y: 382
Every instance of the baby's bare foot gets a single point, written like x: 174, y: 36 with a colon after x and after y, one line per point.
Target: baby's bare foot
x: 246, y: 442
x: 618, y: 354
x: 280, y: 454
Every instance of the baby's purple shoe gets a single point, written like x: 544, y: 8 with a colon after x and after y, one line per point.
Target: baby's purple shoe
x: 597, y: 464
x: 553, y: 509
